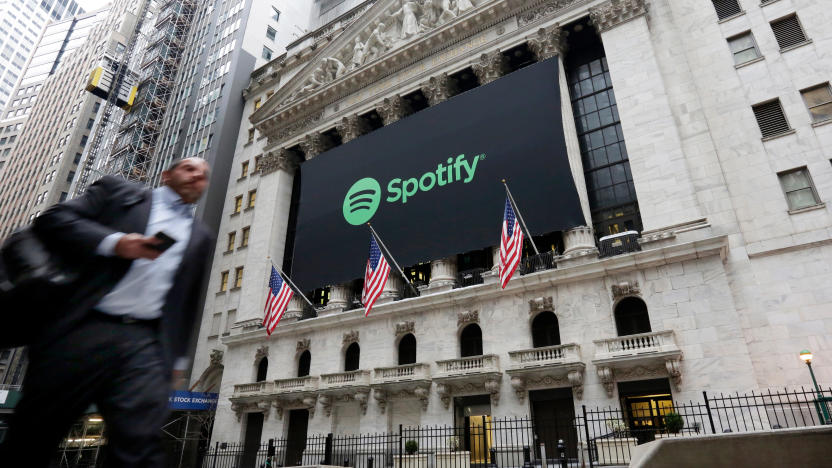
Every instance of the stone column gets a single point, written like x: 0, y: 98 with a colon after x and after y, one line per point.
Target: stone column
x: 268, y: 233
x: 545, y: 44
x: 391, y: 289
x: 313, y: 144
x: 439, y: 89
x: 350, y: 128
x: 493, y: 276
x: 339, y: 296
x: 393, y: 109
x: 490, y: 66
x: 442, y: 274
x: 578, y: 246
x: 295, y: 309
x: 665, y: 190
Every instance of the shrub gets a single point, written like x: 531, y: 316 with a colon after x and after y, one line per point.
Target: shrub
x: 411, y: 446
x: 674, y: 422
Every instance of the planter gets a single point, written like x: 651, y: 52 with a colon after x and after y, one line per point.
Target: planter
x: 411, y: 461
x: 615, y: 451
x: 666, y: 435
x: 458, y: 459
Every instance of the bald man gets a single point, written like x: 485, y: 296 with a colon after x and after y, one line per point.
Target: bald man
x: 118, y: 337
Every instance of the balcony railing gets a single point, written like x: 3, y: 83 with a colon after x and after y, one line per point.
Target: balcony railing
x: 548, y: 355
x: 346, y: 379
x: 470, y: 277
x: 252, y: 388
x: 401, y: 373
x: 468, y: 365
x: 617, y: 244
x: 298, y: 384
x: 540, y: 262
x: 631, y: 345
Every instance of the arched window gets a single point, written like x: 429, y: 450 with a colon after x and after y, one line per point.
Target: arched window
x: 304, y: 361
x: 470, y: 341
x: 351, y: 357
x: 262, y: 368
x: 631, y: 317
x: 407, y: 349
x: 545, y: 330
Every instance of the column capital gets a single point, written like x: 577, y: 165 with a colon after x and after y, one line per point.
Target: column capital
x: 547, y: 43
x: 438, y: 89
x: 393, y: 109
x: 490, y: 66
x: 351, y: 127
x: 313, y: 144
x: 277, y: 160
x: 614, y: 12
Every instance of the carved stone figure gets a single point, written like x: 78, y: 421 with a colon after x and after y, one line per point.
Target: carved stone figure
x: 376, y: 44
x: 314, y: 81
x: 409, y: 19
x: 430, y: 16
x: 463, y: 5
x: 357, y: 54
x: 333, y: 68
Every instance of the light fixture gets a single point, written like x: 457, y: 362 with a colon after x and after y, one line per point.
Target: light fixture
x: 95, y: 420
x: 806, y: 355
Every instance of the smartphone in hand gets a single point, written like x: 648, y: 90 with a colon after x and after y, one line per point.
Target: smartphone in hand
x: 166, y: 241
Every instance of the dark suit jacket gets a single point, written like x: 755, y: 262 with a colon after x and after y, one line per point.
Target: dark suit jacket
x: 76, y: 227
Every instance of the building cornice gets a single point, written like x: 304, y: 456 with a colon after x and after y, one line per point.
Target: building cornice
x: 534, y: 283
x: 614, y: 12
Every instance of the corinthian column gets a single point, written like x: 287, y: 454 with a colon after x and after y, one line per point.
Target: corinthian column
x: 313, y: 144
x: 442, y: 274
x: 393, y: 109
x: 490, y: 67
x: 439, y: 89
x: 351, y: 127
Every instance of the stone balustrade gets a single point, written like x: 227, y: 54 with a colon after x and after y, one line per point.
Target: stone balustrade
x: 250, y: 389
x: 406, y: 372
x: 547, y: 355
x: 345, y: 379
x: 297, y: 384
x: 468, y: 365
x: 632, y: 345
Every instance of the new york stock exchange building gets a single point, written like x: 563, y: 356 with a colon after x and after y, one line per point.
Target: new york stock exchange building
x: 671, y: 163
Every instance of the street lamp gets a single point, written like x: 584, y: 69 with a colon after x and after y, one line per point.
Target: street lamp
x: 820, y: 403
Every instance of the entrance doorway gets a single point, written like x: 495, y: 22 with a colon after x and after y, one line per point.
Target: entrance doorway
x: 645, y: 403
x: 473, y: 415
x: 296, y: 436
x: 251, y: 440
x: 553, y: 413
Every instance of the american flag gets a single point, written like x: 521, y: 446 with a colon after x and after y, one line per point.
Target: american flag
x: 511, y: 245
x: 276, y: 301
x: 375, y: 276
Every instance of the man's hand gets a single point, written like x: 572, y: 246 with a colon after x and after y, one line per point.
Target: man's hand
x: 133, y: 246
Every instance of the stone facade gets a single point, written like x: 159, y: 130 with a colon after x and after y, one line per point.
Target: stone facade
x: 734, y: 284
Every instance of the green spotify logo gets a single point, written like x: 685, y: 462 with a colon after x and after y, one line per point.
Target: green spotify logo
x: 362, y: 201
x: 363, y: 198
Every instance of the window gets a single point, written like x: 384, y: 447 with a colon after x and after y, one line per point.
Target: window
x: 819, y: 101
x: 77, y: 158
x: 771, y: 119
x: 89, y: 123
x: 257, y: 104
x: 788, y: 32
x: 238, y: 277
x: 545, y: 331
x: 744, y: 48
x: 215, y: 324
x: 244, y: 169
x: 798, y: 187
x: 252, y: 197
x: 470, y: 341
x: 262, y: 369
x: 63, y: 196
x: 251, y: 130
x: 352, y: 357
x: 407, y: 350
x: 631, y: 317
x: 224, y: 281
x: 275, y: 14
x: 83, y: 141
x: 271, y: 33
x: 304, y: 362
x: 229, y: 321
x: 244, y: 239
x: 726, y: 8
x: 232, y: 239
x: 70, y: 176
x: 267, y: 53
x: 238, y: 204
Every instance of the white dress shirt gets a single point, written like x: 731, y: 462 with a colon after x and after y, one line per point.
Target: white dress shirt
x: 142, y: 291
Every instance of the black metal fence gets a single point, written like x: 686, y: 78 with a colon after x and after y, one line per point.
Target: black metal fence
x: 594, y: 437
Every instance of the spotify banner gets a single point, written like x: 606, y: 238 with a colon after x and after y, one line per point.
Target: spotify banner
x: 430, y: 183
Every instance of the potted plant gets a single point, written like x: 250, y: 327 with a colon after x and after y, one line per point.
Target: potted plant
x: 673, y: 422
x: 617, y: 447
x: 411, y: 460
x: 453, y: 457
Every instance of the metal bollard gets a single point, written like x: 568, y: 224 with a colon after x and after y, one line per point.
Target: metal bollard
x: 562, y: 454
x: 346, y: 462
x: 493, y: 453
x: 527, y: 457
x: 369, y: 462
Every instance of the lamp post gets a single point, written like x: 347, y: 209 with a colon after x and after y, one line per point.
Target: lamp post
x: 820, y: 403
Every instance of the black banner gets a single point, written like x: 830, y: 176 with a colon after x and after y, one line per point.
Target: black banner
x: 430, y: 183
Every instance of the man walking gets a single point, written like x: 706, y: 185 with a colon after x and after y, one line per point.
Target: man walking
x: 118, y: 335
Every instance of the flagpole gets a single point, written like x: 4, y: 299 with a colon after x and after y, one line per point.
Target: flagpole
x: 520, y: 218
x: 390, y: 256
x: 291, y: 284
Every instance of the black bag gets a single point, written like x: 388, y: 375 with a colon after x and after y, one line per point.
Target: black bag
x: 30, y: 275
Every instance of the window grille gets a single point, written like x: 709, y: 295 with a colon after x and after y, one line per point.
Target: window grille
x: 770, y: 118
x: 788, y: 32
x: 726, y: 8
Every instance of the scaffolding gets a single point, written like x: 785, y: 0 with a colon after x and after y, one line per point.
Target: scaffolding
x: 132, y: 154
